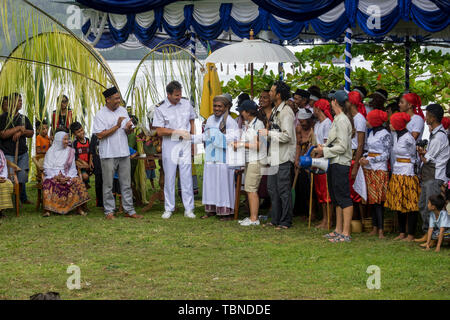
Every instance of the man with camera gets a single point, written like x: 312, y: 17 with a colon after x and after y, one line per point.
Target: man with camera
x: 434, y: 159
x: 282, y: 148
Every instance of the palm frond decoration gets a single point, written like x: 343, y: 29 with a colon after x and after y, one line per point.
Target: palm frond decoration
x: 164, y: 63
x: 47, y: 60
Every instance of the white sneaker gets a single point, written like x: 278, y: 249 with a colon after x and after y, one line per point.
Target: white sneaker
x: 241, y: 221
x: 189, y: 214
x: 249, y: 222
x: 166, y: 215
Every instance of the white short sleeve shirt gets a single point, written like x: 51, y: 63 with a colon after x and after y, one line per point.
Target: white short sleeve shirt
x: 115, y: 145
x: 321, y: 130
x: 175, y: 117
x: 416, y: 124
x: 360, y: 126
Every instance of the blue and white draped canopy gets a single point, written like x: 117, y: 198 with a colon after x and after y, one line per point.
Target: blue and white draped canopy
x: 134, y: 23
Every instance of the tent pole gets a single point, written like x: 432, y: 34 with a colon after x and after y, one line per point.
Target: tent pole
x: 348, y: 59
x: 252, y: 34
x: 251, y: 80
x: 192, y: 45
x: 407, y: 62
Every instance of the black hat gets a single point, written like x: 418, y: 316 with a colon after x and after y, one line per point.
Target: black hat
x: 243, y: 97
x: 109, y: 92
x: 436, y: 110
x: 302, y: 93
x: 247, y: 105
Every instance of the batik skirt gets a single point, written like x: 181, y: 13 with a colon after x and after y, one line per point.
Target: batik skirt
x: 377, y: 184
x: 63, y: 198
x: 403, y: 193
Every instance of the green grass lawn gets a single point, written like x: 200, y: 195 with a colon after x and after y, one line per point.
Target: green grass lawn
x: 183, y: 258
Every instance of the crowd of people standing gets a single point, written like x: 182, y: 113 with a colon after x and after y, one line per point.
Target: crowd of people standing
x: 375, y: 145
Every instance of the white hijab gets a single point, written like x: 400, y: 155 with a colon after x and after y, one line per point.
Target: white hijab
x: 56, y: 156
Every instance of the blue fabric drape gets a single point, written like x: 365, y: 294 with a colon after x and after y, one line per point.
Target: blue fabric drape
x: 120, y: 36
x: 285, y: 31
x: 330, y: 30
x: 298, y: 10
x: 444, y: 5
x: 433, y: 21
x: 125, y: 6
x: 386, y: 23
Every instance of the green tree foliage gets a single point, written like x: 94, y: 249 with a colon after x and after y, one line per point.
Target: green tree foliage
x: 322, y: 66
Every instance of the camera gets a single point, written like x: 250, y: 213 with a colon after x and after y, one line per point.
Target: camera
x: 422, y: 143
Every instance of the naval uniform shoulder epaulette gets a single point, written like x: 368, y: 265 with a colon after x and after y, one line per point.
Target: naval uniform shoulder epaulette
x: 159, y: 104
x: 184, y: 98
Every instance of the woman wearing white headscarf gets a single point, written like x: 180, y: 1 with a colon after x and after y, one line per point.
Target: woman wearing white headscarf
x: 6, y: 186
x: 62, y: 188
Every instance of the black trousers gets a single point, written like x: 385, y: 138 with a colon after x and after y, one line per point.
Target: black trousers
x: 302, y: 190
x: 279, y: 186
x: 378, y: 216
x: 99, y: 190
x: 412, y: 222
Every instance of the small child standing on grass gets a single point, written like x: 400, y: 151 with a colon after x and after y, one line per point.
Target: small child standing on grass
x: 83, y: 156
x: 439, y: 226
x: 42, y: 141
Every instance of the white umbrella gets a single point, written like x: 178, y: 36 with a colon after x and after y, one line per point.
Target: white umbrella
x: 251, y: 51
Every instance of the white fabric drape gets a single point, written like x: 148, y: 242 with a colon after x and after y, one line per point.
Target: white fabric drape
x: 426, y: 5
x: 333, y: 14
x: 145, y: 19
x: 385, y: 6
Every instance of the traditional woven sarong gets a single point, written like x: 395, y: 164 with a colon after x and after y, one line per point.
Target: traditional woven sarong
x: 377, y: 185
x: 6, y: 190
x: 62, y: 198
x: 403, y: 193
x: 320, y: 187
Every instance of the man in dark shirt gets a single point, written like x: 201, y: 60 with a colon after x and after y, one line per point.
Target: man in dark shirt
x: 13, y: 133
x: 97, y: 169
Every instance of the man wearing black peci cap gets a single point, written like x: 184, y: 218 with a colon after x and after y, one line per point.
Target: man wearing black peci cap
x: 112, y: 125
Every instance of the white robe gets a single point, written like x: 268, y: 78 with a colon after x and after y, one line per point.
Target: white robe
x: 218, y: 178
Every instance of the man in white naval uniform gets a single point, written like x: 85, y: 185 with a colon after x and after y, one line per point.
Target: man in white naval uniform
x: 174, y: 121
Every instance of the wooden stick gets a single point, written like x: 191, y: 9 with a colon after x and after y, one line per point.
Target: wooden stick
x: 328, y: 203
x: 310, y: 200
x: 297, y: 170
x: 238, y: 193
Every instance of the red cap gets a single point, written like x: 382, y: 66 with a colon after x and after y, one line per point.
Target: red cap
x: 354, y: 97
x: 399, y: 120
x: 377, y: 117
x: 324, y: 105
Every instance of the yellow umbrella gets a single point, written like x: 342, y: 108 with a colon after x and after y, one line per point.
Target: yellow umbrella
x: 211, y: 88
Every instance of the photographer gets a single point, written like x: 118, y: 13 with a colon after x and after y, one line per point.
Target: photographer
x: 434, y: 160
x: 282, y: 139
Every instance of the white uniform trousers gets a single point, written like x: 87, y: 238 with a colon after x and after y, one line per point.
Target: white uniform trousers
x: 177, y: 153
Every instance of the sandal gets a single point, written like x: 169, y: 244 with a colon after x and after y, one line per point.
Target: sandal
x: 332, y: 235
x: 341, y: 238
x: 208, y: 215
x: 46, y: 214
x: 282, y: 227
